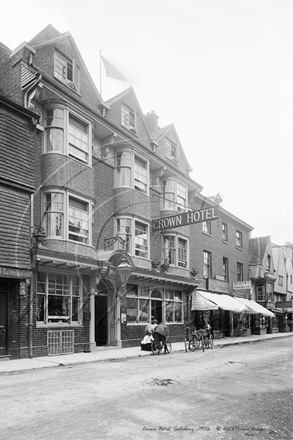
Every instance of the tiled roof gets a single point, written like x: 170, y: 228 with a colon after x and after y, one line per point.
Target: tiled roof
x: 257, y: 249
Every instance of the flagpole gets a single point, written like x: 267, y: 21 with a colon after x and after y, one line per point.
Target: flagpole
x: 101, y: 73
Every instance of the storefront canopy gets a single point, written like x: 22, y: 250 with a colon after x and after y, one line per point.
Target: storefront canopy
x: 213, y: 301
x: 198, y: 302
x: 224, y: 302
x: 255, y: 308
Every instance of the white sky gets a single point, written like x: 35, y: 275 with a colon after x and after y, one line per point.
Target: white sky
x: 220, y: 70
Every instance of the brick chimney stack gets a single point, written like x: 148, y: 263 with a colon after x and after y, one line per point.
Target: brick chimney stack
x: 151, y: 120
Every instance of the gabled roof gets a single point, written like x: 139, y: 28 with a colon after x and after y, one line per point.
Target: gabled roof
x: 50, y: 35
x: 130, y: 92
x: 257, y: 249
x: 46, y: 35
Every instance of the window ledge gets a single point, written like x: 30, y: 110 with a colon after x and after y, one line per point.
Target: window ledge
x: 239, y: 248
x: 225, y: 242
x: 206, y: 233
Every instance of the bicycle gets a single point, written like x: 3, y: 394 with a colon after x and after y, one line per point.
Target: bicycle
x: 196, y: 341
x: 158, y: 347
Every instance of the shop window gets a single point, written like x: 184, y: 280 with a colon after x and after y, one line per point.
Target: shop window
x: 173, y: 306
x: 138, y: 304
x: 58, y: 298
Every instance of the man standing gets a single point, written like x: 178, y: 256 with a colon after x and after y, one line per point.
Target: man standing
x: 160, y: 334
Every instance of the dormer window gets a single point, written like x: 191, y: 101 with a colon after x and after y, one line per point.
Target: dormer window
x: 171, y: 151
x: 128, y: 119
x: 66, y: 71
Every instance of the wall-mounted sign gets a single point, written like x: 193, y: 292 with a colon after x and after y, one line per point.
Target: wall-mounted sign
x: 283, y: 304
x: 185, y: 219
x: 242, y: 285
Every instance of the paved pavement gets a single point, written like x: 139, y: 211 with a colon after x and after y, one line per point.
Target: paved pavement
x: 103, y: 354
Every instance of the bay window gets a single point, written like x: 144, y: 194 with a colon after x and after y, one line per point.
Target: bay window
x: 127, y: 228
x: 67, y: 217
x: 58, y: 298
x: 141, y: 239
x: 175, y: 250
x: 66, y: 133
x: 174, y: 195
x: 132, y: 171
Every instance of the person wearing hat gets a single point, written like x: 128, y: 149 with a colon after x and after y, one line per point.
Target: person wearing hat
x: 160, y: 334
x: 149, y: 329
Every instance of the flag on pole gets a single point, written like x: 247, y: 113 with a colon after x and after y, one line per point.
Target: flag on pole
x: 111, y: 71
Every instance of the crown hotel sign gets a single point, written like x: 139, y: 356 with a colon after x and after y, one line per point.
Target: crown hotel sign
x: 185, y: 219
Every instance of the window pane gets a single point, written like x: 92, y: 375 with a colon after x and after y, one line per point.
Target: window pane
x: 169, y: 249
x: 132, y: 310
x: 178, y: 312
x: 141, y: 240
x: 78, y: 139
x: 58, y: 305
x: 143, y: 310
x: 182, y: 252
x: 40, y: 308
x: 124, y: 231
x: 78, y: 220
x: 169, y: 311
x: 54, y: 138
x: 140, y: 175
x: 54, y: 214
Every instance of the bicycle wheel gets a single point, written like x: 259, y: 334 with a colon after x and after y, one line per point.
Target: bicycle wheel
x: 202, y: 343
x: 193, y: 344
x: 168, y: 346
x: 211, y: 341
x: 156, y: 347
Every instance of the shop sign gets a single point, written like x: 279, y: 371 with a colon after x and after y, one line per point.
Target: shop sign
x: 283, y: 304
x: 242, y: 285
x: 11, y: 272
x: 185, y: 219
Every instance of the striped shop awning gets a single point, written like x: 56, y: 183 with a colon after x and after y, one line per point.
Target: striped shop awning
x: 214, y: 301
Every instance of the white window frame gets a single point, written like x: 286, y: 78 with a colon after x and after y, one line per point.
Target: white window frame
x: 74, y: 142
x: 225, y: 232
x: 142, y: 294
x: 171, y: 298
x: 129, y: 172
x: 43, y: 291
x: 171, y: 254
x: 171, y: 150
x: 127, y: 115
x: 239, y: 239
x: 66, y: 196
x: 172, y: 199
x: 260, y: 292
x: 239, y: 273
x: 131, y: 244
x: 66, y: 71
x: 207, y: 227
x: 207, y: 264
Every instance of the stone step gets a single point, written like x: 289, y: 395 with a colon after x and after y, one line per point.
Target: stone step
x: 5, y: 358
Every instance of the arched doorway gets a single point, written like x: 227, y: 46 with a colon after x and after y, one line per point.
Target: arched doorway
x: 157, y: 305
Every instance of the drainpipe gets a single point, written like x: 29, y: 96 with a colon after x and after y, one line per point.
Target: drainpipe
x: 31, y: 292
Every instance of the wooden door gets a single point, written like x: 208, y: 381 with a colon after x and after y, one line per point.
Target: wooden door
x: 101, y: 319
